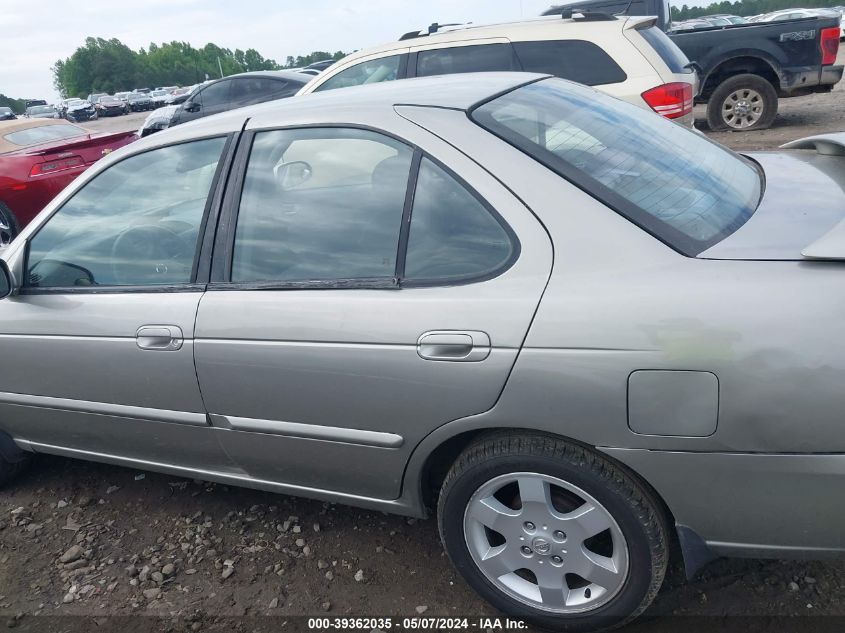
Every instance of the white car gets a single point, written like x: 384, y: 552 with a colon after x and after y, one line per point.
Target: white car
x: 159, y: 97
x: 626, y: 57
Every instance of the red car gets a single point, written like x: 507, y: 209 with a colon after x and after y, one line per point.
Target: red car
x: 38, y: 158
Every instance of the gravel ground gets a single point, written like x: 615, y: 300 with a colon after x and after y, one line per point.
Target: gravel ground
x: 91, y: 540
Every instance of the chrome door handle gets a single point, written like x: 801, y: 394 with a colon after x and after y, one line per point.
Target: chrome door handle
x: 161, y: 338
x: 454, y: 345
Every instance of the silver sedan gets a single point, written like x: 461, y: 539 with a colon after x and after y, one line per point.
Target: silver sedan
x: 567, y: 326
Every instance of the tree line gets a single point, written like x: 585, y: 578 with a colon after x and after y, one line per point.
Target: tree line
x: 747, y: 7
x: 108, y: 65
x: 17, y: 105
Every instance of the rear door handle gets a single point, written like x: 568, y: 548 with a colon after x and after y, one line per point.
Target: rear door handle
x: 466, y: 346
x: 160, y: 338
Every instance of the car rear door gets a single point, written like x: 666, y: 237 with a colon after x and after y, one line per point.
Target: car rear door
x: 324, y: 352
x: 99, y: 342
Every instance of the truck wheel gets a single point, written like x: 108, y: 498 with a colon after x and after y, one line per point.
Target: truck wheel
x: 744, y: 102
x: 9, y: 228
x: 552, y: 532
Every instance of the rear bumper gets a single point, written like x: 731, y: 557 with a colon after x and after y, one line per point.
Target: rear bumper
x: 803, y: 80
x: 750, y: 504
x: 831, y: 75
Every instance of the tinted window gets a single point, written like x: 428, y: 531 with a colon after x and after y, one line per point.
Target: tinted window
x: 43, y: 134
x: 452, y: 235
x: 215, y: 94
x: 669, y: 52
x: 321, y: 204
x: 136, y: 223
x: 248, y: 90
x: 465, y: 59
x: 575, y: 60
x: 686, y: 190
x: 369, y: 72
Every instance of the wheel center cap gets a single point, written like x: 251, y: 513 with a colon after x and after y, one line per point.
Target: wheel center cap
x: 742, y: 107
x: 541, y: 546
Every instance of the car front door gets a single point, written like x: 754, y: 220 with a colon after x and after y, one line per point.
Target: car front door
x: 364, y: 295
x: 98, y: 344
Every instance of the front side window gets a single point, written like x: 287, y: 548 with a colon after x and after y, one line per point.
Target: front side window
x: 215, y: 94
x: 135, y: 224
x: 369, y: 72
x: 453, y: 235
x: 465, y: 59
x: 689, y: 192
x: 576, y: 60
x: 321, y: 204
x: 250, y: 90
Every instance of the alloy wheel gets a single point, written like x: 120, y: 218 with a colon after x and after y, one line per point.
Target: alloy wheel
x: 743, y: 108
x: 546, y: 543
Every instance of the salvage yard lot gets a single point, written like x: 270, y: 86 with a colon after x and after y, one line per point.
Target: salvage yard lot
x: 93, y: 540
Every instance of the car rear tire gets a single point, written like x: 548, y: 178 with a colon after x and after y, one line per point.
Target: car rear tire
x: 553, y: 533
x: 742, y: 103
x: 9, y: 227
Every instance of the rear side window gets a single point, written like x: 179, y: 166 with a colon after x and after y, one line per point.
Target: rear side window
x: 576, y: 60
x: 669, y: 52
x: 369, y: 72
x: 465, y: 59
x: 682, y: 188
x: 321, y: 204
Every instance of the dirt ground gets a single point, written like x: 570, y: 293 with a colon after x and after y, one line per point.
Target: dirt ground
x: 83, y: 544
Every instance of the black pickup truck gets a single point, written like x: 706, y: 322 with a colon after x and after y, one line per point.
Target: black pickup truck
x: 744, y: 68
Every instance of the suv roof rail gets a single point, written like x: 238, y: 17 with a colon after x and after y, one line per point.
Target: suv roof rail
x: 434, y: 27
x: 585, y: 16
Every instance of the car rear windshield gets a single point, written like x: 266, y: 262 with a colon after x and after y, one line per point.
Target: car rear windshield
x: 669, y: 52
x: 682, y: 188
x: 43, y: 134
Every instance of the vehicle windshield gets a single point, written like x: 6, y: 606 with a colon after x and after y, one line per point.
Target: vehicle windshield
x: 136, y: 96
x: 4, y: 110
x: 159, y: 93
x: 108, y: 99
x: 682, y: 188
x: 43, y: 134
x: 40, y: 109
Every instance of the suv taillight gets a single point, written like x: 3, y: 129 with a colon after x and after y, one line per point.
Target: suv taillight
x: 671, y: 100
x: 829, y: 43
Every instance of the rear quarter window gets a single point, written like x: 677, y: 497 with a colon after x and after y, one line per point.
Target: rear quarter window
x: 668, y: 51
x: 576, y: 60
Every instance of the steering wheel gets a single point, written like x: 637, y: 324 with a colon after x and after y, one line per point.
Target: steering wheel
x: 150, y: 254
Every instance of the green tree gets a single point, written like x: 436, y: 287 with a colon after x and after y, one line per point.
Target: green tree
x: 108, y: 66
x: 17, y: 105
